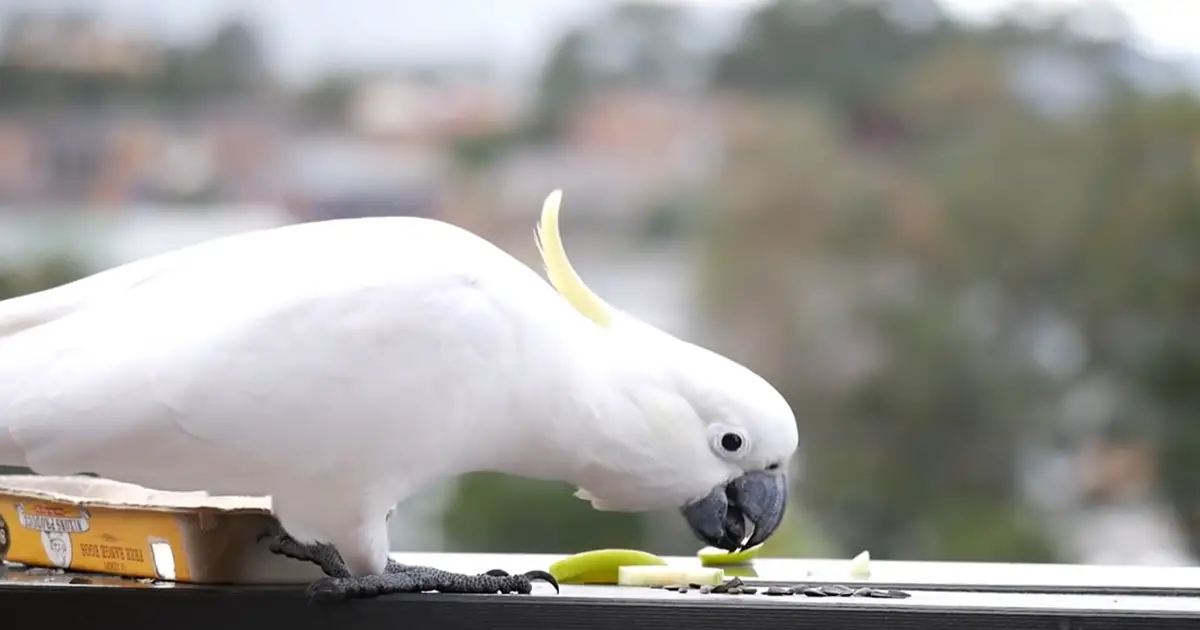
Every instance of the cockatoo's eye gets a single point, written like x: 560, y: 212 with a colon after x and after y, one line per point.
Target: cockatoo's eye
x: 731, y: 442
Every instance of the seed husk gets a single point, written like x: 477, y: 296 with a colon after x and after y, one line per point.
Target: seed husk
x: 883, y: 593
x: 725, y: 587
x: 837, y: 590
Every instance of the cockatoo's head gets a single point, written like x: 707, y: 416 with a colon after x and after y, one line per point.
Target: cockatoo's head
x: 724, y: 437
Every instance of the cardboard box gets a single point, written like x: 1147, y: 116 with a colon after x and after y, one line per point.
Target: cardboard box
x: 86, y: 524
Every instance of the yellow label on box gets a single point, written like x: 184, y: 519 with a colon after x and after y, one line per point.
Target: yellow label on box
x: 125, y: 542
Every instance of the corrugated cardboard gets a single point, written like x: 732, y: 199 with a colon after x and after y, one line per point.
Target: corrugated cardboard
x: 102, y: 526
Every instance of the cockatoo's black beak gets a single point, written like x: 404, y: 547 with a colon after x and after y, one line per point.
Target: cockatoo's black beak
x: 719, y: 519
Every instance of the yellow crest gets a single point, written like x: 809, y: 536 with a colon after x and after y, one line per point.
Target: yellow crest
x: 559, y: 270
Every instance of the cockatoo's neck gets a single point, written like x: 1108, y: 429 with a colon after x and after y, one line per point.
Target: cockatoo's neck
x: 605, y: 425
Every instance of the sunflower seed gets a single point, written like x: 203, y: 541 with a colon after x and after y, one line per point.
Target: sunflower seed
x: 883, y: 593
x: 722, y: 588
x: 779, y: 590
x: 837, y: 590
x: 814, y: 592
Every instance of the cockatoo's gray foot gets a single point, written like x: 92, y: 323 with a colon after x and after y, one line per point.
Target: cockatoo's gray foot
x: 322, y: 555
x: 397, y: 578
x: 402, y: 578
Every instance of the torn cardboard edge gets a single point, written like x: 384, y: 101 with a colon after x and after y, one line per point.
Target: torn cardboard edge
x: 98, y: 491
x: 98, y: 525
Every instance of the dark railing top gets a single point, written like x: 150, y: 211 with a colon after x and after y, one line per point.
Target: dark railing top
x: 943, y: 595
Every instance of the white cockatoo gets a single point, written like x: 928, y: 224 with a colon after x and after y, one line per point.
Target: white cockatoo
x: 339, y: 366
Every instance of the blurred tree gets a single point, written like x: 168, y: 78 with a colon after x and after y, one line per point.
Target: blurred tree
x: 636, y: 43
x: 852, y: 274
x: 645, y: 44
x: 327, y: 101
x: 477, y: 153
x: 1139, y: 291
x: 229, y: 65
x: 564, y: 83
x: 495, y: 513
x: 39, y: 275
x: 847, y: 52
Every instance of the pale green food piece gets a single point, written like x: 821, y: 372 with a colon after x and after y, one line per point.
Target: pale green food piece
x: 714, y: 557
x: 741, y: 570
x: 664, y: 576
x: 860, y: 566
x: 600, y: 566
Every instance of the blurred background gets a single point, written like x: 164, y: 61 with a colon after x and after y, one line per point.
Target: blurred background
x: 962, y: 237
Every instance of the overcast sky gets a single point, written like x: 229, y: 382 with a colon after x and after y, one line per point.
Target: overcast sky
x: 307, y: 37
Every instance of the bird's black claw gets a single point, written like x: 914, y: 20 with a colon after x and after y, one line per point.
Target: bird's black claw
x: 324, y: 556
x: 272, y: 530
x: 543, y: 576
x: 328, y: 588
x: 497, y: 573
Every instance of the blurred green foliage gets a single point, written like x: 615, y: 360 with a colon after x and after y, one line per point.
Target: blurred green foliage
x: 40, y: 274
x: 525, y: 516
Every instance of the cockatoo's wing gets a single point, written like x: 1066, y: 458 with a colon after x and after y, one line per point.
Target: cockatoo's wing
x: 307, y: 353
x: 27, y: 311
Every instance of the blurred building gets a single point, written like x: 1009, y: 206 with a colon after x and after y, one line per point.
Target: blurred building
x: 622, y: 152
x: 343, y: 176
x: 431, y: 112
x: 77, y: 43
x: 107, y: 158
